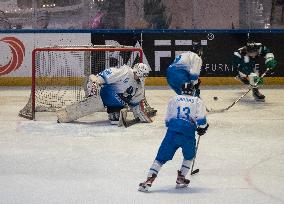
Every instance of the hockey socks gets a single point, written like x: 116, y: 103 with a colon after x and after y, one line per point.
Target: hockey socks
x: 185, y: 166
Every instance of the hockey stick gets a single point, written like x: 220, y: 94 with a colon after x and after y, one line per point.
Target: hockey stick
x: 236, y: 101
x: 196, y: 170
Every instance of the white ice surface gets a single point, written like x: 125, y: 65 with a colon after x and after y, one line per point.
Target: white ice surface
x: 241, y: 158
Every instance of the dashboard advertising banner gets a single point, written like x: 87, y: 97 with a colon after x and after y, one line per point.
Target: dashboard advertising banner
x: 160, y: 49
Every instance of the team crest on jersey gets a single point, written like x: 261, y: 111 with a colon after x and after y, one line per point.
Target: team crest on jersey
x: 126, y: 80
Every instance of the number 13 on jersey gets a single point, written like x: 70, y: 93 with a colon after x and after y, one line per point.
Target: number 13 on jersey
x: 183, y: 113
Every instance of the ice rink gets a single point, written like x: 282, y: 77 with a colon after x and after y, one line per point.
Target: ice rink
x: 241, y: 158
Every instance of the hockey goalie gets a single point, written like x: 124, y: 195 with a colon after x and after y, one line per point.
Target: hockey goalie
x: 114, y: 89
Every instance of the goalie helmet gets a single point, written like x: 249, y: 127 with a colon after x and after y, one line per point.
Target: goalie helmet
x: 141, y: 70
x: 187, y: 89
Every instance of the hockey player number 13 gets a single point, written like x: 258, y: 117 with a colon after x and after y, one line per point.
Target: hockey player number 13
x: 185, y: 111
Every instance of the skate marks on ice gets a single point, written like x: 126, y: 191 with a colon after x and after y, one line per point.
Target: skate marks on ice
x: 85, y: 128
x: 74, y: 129
x: 258, y: 177
x: 170, y: 189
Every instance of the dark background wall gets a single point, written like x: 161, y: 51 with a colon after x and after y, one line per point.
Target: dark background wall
x: 161, y: 48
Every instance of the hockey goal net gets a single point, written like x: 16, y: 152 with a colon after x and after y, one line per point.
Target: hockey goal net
x: 60, y: 74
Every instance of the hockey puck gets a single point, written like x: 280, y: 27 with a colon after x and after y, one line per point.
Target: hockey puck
x: 215, y: 98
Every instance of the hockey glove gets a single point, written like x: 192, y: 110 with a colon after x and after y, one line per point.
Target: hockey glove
x: 202, y: 131
x: 93, y: 89
x: 94, y: 85
x: 258, y: 80
x: 271, y: 64
x: 96, y: 79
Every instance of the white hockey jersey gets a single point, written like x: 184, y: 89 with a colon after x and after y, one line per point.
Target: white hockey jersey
x: 122, y: 79
x: 185, y: 112
x: 189, y: 61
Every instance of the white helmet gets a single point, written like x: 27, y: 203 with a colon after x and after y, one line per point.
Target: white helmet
x: 141, y: 70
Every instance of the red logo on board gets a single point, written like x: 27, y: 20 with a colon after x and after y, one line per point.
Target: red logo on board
x: 18, y: 53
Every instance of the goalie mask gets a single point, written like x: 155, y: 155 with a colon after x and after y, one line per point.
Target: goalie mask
x: 187, y: 89
x: 141, y: 70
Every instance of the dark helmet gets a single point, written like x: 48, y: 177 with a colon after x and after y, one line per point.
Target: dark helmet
x: 187, y: 89
x: 253, y: 47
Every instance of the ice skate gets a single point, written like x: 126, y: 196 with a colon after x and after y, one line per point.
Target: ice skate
x: 145, y: 186
x: 257, y: 95
x: 181, y: 181
x: 114, y: 118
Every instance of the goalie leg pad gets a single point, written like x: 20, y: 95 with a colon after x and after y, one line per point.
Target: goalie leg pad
x: 151, y: 112
x: 140, y: 112
x: 78, y: 110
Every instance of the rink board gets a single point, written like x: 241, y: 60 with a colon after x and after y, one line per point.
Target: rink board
x: 150, y: 81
